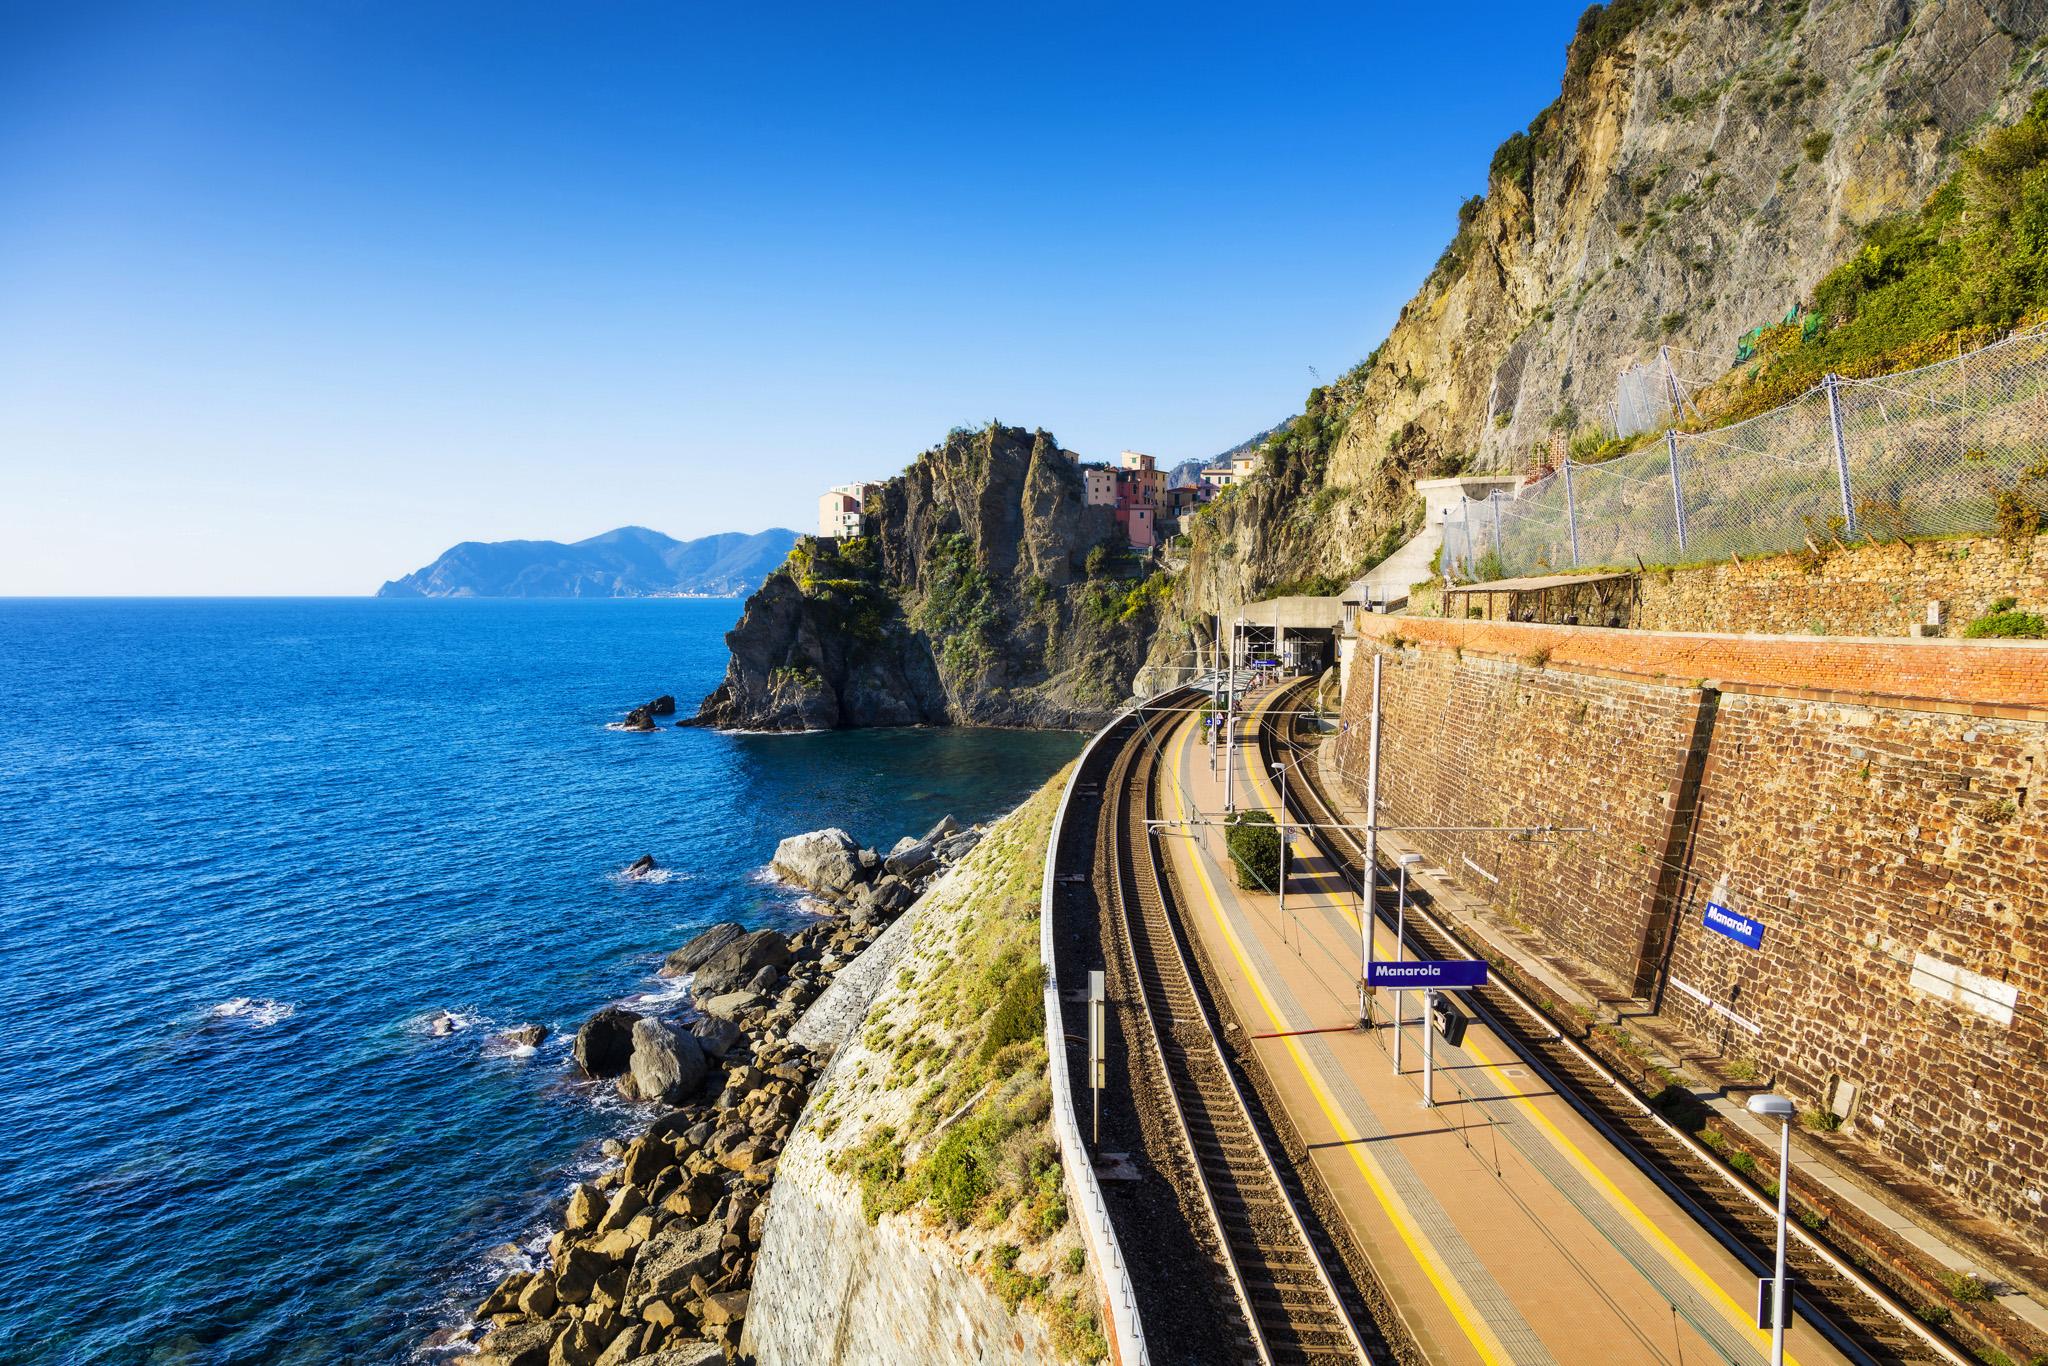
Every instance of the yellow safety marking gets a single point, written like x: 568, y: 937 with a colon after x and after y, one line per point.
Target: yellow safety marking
x: 1424, y: 1252
x: 1616, y: 1197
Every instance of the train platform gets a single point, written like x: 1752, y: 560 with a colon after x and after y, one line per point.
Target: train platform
x: 1501, y: 1223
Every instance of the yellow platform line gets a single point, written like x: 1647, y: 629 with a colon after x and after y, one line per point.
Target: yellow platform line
x: 1419, y: 1246
x: 1616, y: 1197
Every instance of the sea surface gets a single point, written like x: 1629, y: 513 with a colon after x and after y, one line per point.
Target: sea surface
x: 250, y: 849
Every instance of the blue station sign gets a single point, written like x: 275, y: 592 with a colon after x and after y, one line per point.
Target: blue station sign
x: 1454, y: 974
x: 1726, y: 923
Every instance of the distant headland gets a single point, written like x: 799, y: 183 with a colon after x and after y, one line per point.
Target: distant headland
x: 631, y: 562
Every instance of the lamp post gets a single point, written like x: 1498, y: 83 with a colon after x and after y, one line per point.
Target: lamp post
x: 1404, y: 862
x: 1779, y: 1108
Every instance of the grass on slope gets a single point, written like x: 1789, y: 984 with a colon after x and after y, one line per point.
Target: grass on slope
x: 963, y: 1028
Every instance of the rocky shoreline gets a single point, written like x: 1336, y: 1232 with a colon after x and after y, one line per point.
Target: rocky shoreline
x: 652, y: 1262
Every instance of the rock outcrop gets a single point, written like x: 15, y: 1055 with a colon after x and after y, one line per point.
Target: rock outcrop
x: 823, y: 861
x: 971, y: 598
x: 604, y: 1045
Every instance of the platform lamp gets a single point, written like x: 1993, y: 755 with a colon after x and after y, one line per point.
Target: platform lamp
x: 1404, y: 862
x: 1779, y: 1108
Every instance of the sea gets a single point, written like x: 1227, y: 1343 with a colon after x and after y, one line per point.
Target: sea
x: 252, y: 850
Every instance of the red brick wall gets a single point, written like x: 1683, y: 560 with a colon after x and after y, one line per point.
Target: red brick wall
x: 1852, y: 795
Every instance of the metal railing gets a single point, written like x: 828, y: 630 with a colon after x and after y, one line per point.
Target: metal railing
x: 1953, y: 448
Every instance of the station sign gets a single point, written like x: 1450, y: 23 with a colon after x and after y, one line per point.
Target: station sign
x: 1726, y: 923
x: 1453, y: 974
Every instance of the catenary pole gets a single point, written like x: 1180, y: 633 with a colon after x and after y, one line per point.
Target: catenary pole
x: 1368, y: 878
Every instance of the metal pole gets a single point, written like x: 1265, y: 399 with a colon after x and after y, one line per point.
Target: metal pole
x: 1281, y: 770
x: 1833, y: 386
x: 1368, y: 878
x: 1494, y: 499
x: 1778, y: 1290
x: 1400, y: 955
x: 1677, y: 492
x: 1571, y: 507
x: 1671, y: 382
x: 1098, y: 1051
x: 1230, y: 718
x: 1428, y: 1049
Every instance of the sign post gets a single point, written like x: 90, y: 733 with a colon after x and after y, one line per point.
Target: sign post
x: 1098, y: 1051
x: 1428, y: 976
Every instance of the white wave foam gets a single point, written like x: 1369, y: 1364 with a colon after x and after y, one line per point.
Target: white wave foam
x: 655, y: 875
x: 258, y: 1011
x: 442, y: 1023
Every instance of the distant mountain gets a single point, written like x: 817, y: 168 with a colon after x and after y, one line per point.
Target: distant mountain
x: 631, y: 562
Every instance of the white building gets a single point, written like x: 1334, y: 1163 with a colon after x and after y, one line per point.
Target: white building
x: 839, y: 511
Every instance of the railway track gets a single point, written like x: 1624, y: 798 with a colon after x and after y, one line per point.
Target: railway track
x: 1857, y: 1314
x: 1293, y: 1308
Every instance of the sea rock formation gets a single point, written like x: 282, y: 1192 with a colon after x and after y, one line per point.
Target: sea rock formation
x: 604, y: 1045
x: 975, y: 596
x: 823, y: 861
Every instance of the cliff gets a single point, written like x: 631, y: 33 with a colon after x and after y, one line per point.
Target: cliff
x: 1702, y: 169
x: 630, y: 562
x: 983, y: 591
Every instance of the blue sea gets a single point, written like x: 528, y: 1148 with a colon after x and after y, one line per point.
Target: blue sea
x: 249, y: 850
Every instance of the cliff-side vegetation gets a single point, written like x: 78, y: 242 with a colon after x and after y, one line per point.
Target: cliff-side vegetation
x: 1970, y: 262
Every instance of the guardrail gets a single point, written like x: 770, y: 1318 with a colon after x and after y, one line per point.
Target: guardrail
x: 1126, y: 1334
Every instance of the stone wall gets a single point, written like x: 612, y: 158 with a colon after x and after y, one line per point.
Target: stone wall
x: 1867, y: 590
x: 1876, y: 805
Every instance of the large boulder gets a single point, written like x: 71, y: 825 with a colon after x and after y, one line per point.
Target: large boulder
x: 667, y: 1064
x: 715, y: 1036
x: 663, y: 705
x: 668, y: 1260
x: 824, y: 861
x: 640, y: 718
x: 604, y: 1045
x: 692, y: 955
x: 739, y: 962
x: 905, y: 861
x: 946, y: 826
x: 517, y: 1344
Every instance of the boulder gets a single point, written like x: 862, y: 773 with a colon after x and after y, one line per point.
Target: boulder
x: 732, y: 1003
x: 715, y: 1036
x: 517, y: 1344
x: 579, y: 1345
x: 946, y: 826
x: 642, y: 866
x: 640, y: 718
x: 687, y: 958
x: 767, y: 979
x: 902, y: 861
x: 625, y: 1346
x: 586, y: 1208
x: 692, y: 1352
x: 959, y: 846
x: 604, y: 1045
x: 668, y: 1260
x: 663, y: 705
x: 524, y: 1036
x: 739, y: 961
x: 900, y: 845
x: 667, y: 1065
x: 823, y: 861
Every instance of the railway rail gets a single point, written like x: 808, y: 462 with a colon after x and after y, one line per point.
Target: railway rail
x: 1854, y: 1312
x: 1294, y: 1307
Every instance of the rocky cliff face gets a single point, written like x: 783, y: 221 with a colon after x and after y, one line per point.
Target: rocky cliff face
x: 984, y: 591
x: 1703, y: 166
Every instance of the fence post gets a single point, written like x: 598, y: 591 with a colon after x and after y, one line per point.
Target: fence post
x: 1677, y: 490
x: 1493, y: 499
x: 1833, y: 386
x: 1571, y: 510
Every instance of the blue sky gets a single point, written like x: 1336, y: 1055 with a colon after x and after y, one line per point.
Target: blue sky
x: 294, y: 296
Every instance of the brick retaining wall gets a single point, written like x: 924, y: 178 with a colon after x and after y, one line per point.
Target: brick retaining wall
x: 1877, y: 805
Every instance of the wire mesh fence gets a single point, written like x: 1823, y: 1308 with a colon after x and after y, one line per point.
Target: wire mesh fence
x: 1955, y: 448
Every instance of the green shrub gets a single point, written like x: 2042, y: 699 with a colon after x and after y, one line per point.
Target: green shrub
x: 1965, y: 1288
x: 2005, y: 623
x: 1019, y: 1013
x: 1254, y: 845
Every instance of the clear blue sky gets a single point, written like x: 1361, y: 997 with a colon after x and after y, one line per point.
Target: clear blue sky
x: 295, y: 295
